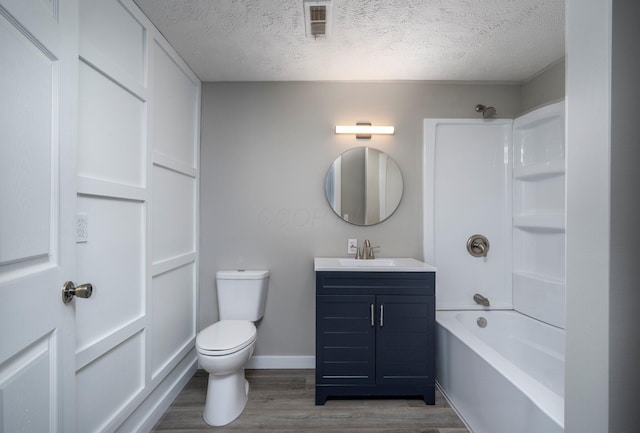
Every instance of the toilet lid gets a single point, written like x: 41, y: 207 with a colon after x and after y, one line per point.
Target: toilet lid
x: 226, y: 336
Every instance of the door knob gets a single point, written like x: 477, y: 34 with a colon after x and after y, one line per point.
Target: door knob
x: 69, y: 290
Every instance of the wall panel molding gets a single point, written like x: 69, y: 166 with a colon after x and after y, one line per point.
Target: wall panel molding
x: 127, y: 175
x: 165, y: 161
x: 102, y: 188
x: 91, y: 353
x: 167, y: 265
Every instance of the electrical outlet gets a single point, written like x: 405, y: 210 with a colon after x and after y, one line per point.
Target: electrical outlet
x: 82, y: 227
x: 352, y: 246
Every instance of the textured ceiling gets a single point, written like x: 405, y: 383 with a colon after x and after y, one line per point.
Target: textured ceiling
x: 264, y: 40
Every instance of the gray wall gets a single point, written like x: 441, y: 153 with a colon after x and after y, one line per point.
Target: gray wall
x: 624, y: 296
x: 546, y: 86
x: 265, y: 151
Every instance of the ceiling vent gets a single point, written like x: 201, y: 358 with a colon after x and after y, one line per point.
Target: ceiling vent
x: 317, y: 18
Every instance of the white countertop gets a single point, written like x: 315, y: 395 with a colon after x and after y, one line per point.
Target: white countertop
x: 383, y: 264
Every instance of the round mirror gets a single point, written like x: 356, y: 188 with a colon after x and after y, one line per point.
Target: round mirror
x: 364, y: 186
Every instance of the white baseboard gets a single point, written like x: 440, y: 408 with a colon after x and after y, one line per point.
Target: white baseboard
x: 276, y: 362
x: 147, y: 414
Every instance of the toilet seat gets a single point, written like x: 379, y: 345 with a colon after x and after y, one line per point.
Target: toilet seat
x: 225, y: 337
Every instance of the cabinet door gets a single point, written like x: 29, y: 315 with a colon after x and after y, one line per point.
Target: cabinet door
x: 405, y: 340
x: 345, y: 332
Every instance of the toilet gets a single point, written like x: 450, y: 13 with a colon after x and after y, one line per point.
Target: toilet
x: 226, y: 346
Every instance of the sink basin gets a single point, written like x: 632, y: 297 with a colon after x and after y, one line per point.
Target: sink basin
x: 396, y: 264
x: 368, y: 263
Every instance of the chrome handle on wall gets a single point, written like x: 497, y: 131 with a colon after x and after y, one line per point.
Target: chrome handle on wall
x: 478, y: 246
x: 481, y: 300
x: 69, y: 290
x: 373, y: 323
x: 381, y: 315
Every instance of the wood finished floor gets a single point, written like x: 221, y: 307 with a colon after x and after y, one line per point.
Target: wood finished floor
x: 283, y: 401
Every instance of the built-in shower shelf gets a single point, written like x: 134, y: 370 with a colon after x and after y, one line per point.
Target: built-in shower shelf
x: 540, y: 223
x: 527, y: 278
x: 539, y: 204
x: 542, y: 170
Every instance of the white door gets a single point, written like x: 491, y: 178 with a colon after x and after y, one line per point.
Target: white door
x: 38, y: 80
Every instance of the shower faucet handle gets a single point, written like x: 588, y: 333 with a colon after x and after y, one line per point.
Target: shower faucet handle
x: 478, y: 246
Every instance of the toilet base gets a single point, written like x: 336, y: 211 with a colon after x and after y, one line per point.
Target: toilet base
x: 226, y: 398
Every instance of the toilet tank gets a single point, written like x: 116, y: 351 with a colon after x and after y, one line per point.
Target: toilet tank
x: 241, y: 294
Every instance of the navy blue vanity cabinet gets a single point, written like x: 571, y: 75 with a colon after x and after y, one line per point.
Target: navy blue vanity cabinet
x: 375, y: 334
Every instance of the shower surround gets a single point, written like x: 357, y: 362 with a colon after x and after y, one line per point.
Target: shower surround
x: 504, y: 180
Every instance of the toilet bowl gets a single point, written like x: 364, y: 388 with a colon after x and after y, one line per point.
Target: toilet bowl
x: 223, y: 350
x: 225, y: 347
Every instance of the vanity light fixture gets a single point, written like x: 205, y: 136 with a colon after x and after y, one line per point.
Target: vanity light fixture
x: 364, y: 130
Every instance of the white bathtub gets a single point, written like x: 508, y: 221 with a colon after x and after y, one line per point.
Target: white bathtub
x: 505, y: 378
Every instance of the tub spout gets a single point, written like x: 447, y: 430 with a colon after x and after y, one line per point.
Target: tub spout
x: 481, y: 300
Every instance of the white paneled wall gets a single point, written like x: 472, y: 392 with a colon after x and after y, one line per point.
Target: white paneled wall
x: 114, y: 34
x: 175, y: 115
x: 174, y: 315
x: 113, y: 259
x: 138, y: 187
x: 111, y: 131
x: 173, y: 214
x: 120, y: 379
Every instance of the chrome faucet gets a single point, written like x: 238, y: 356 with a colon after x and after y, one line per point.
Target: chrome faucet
x: 481, y: 300
x: 367, y: 250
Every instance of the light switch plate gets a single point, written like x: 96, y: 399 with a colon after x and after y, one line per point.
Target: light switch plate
x: 82, y: 227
